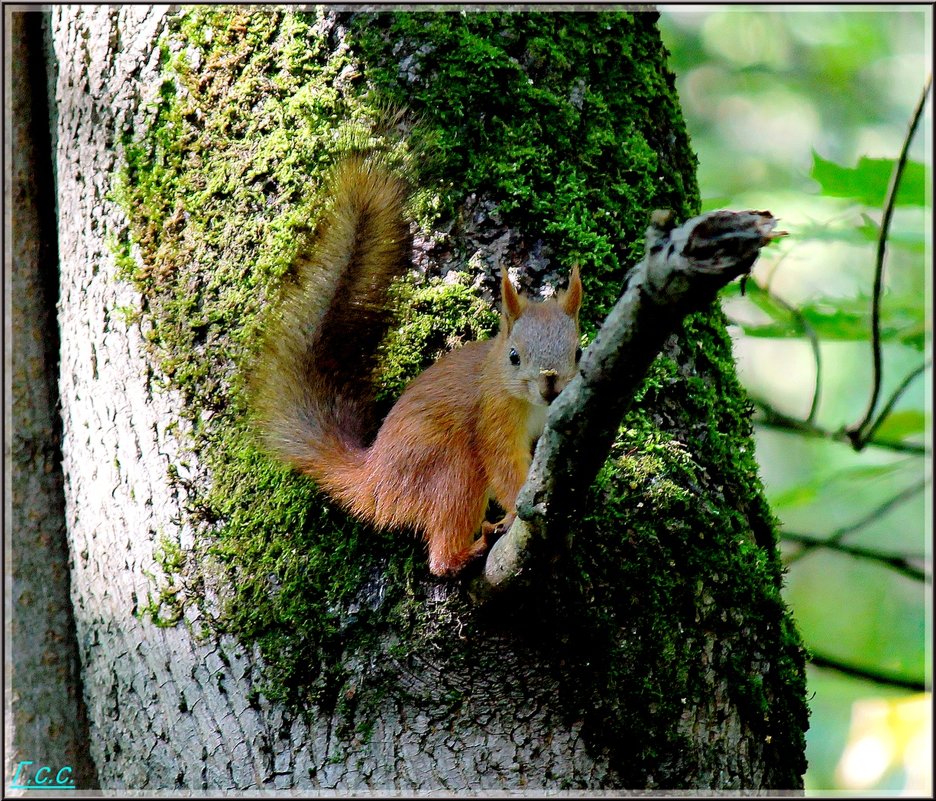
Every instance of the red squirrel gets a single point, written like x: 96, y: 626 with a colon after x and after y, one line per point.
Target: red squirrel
x: 461, y: 433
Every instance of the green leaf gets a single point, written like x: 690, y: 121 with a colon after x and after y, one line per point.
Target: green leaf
x: 910, y: 238
x: 842, y: 319
x: 900, y: 424
x: 800, y: 495
x: 868, y: 181
x: 853, y: 476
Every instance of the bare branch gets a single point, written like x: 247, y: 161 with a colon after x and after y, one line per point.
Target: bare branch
x: 897, y: 562
x: 889, y: 406
x: 774, y: 418
x: 858, y: 432
x: 682, y: 271
x: 875, y: 514
x: 868, y: 674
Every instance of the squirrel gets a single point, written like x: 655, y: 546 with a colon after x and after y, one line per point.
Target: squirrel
x: 461, y: 433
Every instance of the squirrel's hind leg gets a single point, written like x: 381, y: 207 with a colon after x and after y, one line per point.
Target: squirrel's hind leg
x: 451, y: 539
x: 496, y: 530
x: 449, y: 565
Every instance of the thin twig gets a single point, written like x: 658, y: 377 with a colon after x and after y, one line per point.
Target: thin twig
x: 813, y: 338
x: 874, y: 515
x: 858, y: 431
x: 889, y: 406
x: 900, y: 564
x: 774, y: 418
x: 868, y: 674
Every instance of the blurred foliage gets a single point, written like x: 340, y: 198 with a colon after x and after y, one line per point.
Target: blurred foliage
x: 805, y: 111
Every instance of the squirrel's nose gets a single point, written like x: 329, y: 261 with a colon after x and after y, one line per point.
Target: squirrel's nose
x: 547, y: 385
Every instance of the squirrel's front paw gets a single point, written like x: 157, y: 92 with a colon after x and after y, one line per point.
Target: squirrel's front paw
x: 494, y: 531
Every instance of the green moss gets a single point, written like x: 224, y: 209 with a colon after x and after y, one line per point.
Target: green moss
x: 667, y: 571
x: 568, y: 123
x: 166, y: 607
x: 218, y: 189
x: 548, y: 115
x: 658, y: 502
x: 435, y: 319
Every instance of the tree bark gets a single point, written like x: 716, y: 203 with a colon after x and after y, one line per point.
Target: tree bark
x: 46, y: 723
x: 655, y: 653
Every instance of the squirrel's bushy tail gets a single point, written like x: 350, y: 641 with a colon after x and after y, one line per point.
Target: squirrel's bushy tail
x: 311, y: 389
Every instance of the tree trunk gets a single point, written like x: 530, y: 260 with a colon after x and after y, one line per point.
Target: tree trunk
x: 46, y: 723
x: 238, y: 632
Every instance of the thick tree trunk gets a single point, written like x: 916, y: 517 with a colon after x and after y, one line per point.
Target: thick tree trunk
x: 158, y: 718
x: 656, y: 653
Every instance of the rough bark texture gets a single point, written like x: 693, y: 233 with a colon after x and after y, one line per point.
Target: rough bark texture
x: 157, y: 717
x: 657, y: 654
x: 45, y: 719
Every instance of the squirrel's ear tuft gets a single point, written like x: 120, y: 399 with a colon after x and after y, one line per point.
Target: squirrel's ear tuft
x: 571, y: 299
x: 512, y: 305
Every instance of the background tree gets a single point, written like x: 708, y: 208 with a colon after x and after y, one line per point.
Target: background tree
x: 235, y: 630
x: 811, y: 113
x: 45, y: 716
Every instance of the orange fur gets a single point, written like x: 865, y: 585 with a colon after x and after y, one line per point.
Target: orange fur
x: 460, y: 434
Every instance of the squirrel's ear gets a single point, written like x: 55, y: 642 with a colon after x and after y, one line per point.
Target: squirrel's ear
x: 512, y: 305
x: 571, y: 299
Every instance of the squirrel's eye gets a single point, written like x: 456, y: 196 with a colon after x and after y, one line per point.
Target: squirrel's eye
x: 514, y: 357
x: 578, y: 355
